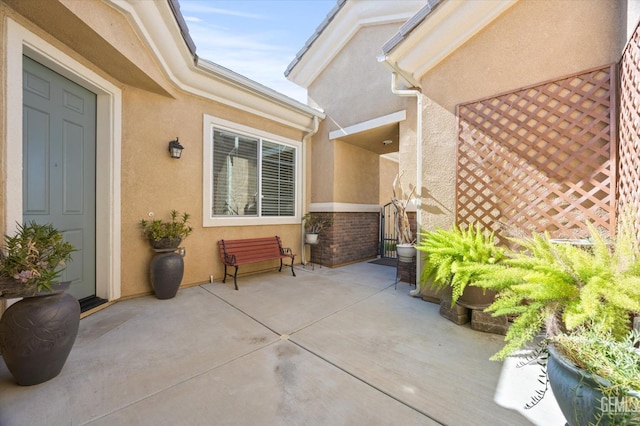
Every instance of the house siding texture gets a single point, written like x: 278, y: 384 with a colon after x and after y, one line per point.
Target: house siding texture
x: 154, y: 111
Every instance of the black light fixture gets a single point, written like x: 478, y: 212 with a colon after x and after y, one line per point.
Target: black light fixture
x: 175, y: 149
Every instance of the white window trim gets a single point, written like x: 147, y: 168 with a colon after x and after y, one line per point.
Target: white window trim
x: 209, y: 122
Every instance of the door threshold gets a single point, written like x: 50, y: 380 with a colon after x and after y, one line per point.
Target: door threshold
x: 90, y: 302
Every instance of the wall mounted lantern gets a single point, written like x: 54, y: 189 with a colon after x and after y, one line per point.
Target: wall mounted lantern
x: 175, y: 149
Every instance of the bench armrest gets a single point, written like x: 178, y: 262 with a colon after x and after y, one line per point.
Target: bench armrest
x: 229, y: 259
x: 286, y: 251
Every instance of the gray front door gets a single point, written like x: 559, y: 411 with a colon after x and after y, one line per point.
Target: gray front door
x: 59, y: 155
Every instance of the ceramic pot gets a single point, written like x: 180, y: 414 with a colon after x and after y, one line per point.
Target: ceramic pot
x: 579, y: 397
x: 406, y: 252
x: 166, y: 271
x: 165, y: 243
x: 37, y: 334
x: 476, y: 297
x: 311, y: 238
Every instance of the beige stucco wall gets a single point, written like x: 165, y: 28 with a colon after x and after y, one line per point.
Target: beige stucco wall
x: 154, y: 112
x: 632, y: 16
x: 153, y: 182
x: 388, y: 171
x: 360, y: 167
x: 352, y: 89
x: 531, y: 42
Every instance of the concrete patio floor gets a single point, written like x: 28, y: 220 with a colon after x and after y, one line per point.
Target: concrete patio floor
x: 328, y: 347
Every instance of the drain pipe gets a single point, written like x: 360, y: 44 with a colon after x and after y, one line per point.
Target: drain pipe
x: 305, y: 140
x: 418, y: 192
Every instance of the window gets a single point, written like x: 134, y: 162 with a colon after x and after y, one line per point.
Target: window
x: 251, y: 177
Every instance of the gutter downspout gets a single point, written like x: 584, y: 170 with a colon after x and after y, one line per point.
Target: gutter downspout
x: 418, y: 95
x: 305, y: 140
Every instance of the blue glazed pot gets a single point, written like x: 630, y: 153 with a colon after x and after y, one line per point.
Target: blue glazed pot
x: 579, y: 397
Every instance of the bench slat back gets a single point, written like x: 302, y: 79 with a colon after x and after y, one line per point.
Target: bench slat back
x: 251, y: 250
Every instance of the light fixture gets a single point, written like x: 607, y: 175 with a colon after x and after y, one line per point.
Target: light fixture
x: 387, y: 142
x: 175, y: 149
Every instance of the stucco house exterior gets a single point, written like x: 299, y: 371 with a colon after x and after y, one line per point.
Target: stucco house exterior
x: 132, y: 66
x: 506, y: 112
x: 418, y: 88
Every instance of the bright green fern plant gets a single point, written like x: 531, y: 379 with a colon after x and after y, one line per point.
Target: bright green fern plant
x: 449, y: 252
x: 560, y: 287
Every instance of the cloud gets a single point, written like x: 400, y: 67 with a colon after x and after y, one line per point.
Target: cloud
x: 195, y: 7
x: 244, y: 44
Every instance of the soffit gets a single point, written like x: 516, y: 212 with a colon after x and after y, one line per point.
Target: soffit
x: 380, y: 135
x: 374, y: 140
x: 443, y: 27
x: 345, y: 22
x: 64, y: 25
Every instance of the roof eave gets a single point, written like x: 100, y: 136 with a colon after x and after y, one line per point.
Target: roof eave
x: 156, y: 24
x: 346, y: 21
x: 438, y: 30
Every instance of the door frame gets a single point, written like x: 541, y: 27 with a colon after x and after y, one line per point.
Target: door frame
x: 21, y: 41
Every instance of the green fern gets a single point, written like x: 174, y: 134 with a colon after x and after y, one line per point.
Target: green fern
x: 560, y: 287
x: 449, y: 252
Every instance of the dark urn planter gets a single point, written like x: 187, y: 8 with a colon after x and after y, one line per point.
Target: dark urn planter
x: 37, y: 334
x: 579, y: 397
x: 166, y: 271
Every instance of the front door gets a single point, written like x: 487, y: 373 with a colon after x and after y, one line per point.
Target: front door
x: 59, y: 156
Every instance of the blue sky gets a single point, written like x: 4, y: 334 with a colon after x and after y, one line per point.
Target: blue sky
x: 256, y: 38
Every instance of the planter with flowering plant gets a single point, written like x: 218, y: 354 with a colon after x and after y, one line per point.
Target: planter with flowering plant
x: 167, y: 267
x: 37, y: 332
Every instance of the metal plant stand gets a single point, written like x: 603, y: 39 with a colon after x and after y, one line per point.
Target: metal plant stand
x: 409, y: 263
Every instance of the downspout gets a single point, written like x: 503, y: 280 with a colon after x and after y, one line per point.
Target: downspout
x: 418, y: 192
x: 305, y: 140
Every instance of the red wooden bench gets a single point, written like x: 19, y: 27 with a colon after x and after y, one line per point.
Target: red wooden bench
x: 252, y: 250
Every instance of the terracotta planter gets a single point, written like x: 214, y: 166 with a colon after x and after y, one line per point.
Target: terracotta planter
x: 476, y: 297
x: 37, y: 334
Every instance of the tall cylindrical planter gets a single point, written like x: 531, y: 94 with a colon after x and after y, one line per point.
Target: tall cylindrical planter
x: 166, y: 271
x: 36, y: 336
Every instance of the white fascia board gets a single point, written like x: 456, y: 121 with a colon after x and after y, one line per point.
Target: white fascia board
x: 443, y: 31
x: 392, y: 118
x: 159, y: 30
x: 350, y: 19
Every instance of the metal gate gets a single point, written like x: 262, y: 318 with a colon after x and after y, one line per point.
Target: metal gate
x: 388, y: 237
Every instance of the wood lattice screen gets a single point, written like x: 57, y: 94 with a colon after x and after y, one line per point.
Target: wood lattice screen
x: 629, y: 152
x: 540, y: 158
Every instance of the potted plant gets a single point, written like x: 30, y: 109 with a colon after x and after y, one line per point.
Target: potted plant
x: 37, y: 332
x: 405, y: 248
x: 166, y: 234
x: 167, y: 266
x: 569, y: 292
x: 595, y: 376
x: 447, y: 256
x: 314, y: 224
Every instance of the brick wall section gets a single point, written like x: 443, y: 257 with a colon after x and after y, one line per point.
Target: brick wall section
x: 353, y: 237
